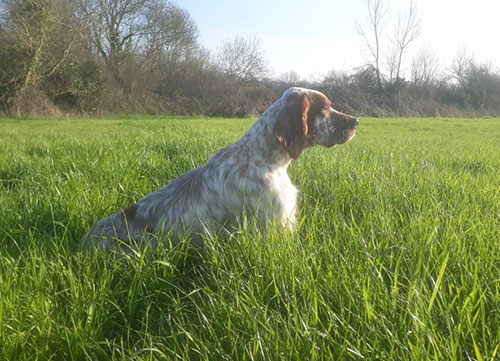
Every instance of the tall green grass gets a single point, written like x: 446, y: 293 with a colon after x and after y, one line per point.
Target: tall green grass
x: 397, y: 256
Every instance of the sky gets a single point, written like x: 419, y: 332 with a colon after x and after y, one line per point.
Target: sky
x: 312, y: 37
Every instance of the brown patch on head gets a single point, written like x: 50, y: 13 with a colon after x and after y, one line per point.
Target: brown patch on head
x: 319, y: 103
x: 292, y: 122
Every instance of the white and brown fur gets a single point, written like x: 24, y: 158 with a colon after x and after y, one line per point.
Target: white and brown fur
x: 247, y: 177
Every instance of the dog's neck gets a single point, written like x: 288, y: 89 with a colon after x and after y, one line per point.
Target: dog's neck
x: 261, y: 143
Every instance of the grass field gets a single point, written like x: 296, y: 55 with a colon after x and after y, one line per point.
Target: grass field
x: 397, y: 256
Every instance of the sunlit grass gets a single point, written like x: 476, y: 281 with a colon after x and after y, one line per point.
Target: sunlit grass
x: 397, y: 256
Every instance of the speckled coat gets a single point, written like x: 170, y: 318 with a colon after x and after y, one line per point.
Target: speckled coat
x: 248, y: 177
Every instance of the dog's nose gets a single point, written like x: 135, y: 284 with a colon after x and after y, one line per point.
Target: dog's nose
x: 354, y: 122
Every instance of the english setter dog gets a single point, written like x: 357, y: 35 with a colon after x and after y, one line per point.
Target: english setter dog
x: 248, y: 177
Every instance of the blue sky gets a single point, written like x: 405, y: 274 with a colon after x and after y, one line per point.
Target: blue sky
x: 314, y: 36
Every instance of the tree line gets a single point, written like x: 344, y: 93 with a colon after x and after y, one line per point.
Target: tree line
x: 93, y: 57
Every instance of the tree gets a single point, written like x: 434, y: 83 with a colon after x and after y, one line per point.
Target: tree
x: 170, y: 33
x: 371, y: 37
x: 140, y: 31
x: 424, y: 67
x: 39, y: 38
x: 406, y: 31
x: 242, y: 58
x: 479, y: 82
x: 290, y: 78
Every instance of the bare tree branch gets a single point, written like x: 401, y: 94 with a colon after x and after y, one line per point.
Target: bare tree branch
x: 242, y: 58
x: 143, y: 30
x: 406, y: 31
x: 372, y: 35
x: 424, y: 67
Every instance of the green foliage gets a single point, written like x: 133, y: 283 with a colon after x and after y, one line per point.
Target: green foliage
x: 396, y: 257
x: 10, y: 71
x: 77, y: 86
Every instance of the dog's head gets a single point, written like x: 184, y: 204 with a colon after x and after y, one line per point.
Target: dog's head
x: 306, y: 118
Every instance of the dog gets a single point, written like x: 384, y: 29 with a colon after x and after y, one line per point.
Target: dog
x: 248, y: 178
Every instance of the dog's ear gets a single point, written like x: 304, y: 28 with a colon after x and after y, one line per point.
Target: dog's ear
x: 291, y: 123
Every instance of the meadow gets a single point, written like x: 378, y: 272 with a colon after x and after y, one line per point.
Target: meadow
x: 396, y: 257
